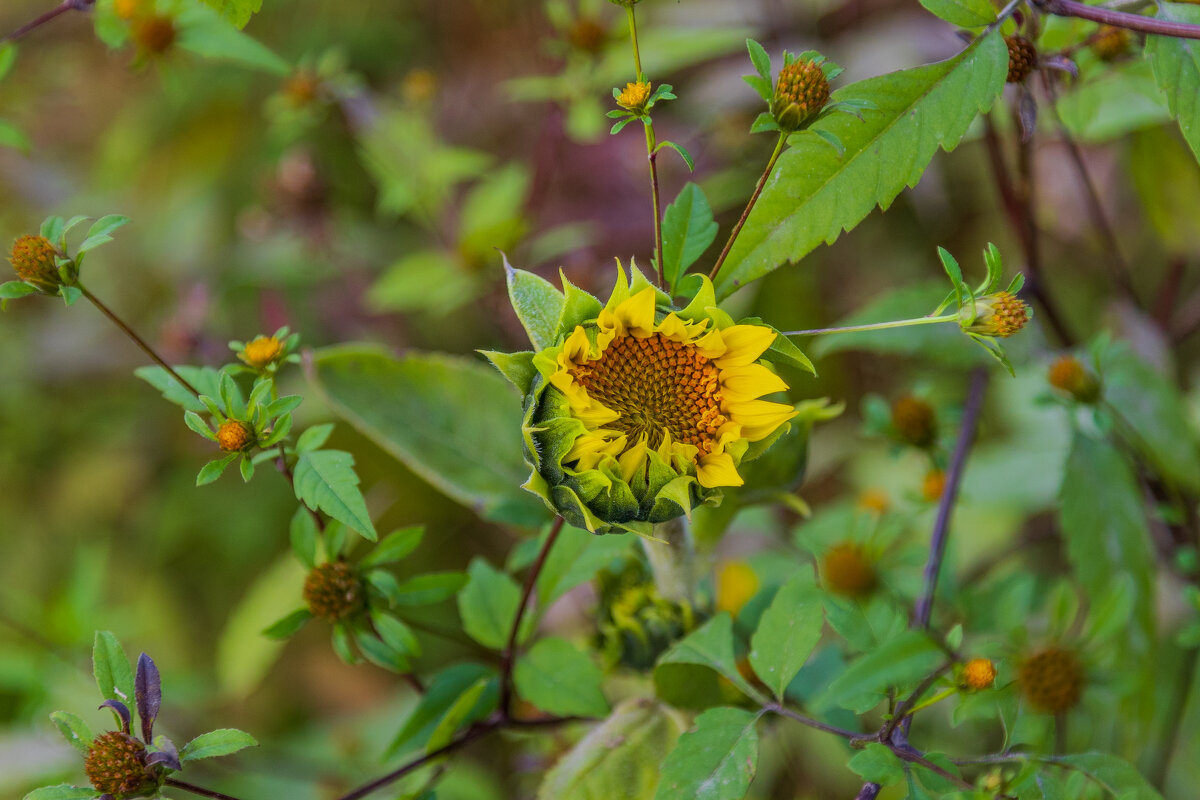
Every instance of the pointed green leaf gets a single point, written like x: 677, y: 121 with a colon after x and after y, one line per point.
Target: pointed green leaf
x: 907, y: 658
x: 459, y: 714
x: 688, y: 229
x: 289, y: 625
x: 488, y: 604
x: 517, y: 367
x: 537, y: 303
x: 710, y: 646
x: 13, y: 290
x: 441, y: 693
x: 114, y: 675
x: 395, y: 546
x: 760, y: 59
x: 964, y: 13
x: 561, y: 679
x: 326, y: 481
x: 788, y: 631
x: 1176, y: 65
x: 223, y: 742
x: 74, y: 730
x: 813, y: 194
x: 62, y: 792
x: 716, y: 760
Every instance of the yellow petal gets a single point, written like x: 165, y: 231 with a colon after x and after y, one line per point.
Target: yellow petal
x: 749, y: 382
x: 576, y: 349
x: 717, y: 470
x: 589, y: 448
x: 759, y: 418
x: 637, y: 313
x: 632, y: 460
x: 744, y: 344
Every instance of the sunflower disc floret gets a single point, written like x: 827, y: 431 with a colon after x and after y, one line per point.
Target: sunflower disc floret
x: 639, y: 412
x: 116, y: 765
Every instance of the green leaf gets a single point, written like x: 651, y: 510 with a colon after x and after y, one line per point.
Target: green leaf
x: 98, y: 234
x: 380, y: 653
x: 237, y: 12
x: 904, y: 659
x: 688, y: 229
x: 760, y: 59
x: 458, y: 715
x: 517, y: 367
x: 221, y: 742
x: 710, y: 646
x: 813, y: 194
x: 440, y: 695
x: 62, y: 792
x: 716, y: 760
x: 326, y: 481
x: 303, y: 534
x: 964, y: 13
x: 395, y: 546
x: 206, y: 380
x: 452, y: 421
x: 1117, y: 776
x: 682, y: 151
x: 13, y: 290
x: 395, y: 634
x: 73, y: 729
x: 14, y: 137
x: 314, y: 437
x: 8, y: 56
x: 488, y: 604
x: 114, y: 676
x: 575, y: 558
x: 1107, y: 534
x: 427, y: 589
x: 1176, y: 65
x: 289, y: 625
x: 537, y: 303
x: 878, y: 764
x: 619, y: 758
x: 203, y: 32
x: 561, y: 679
x: 213, y: 469
x: 787, y: 632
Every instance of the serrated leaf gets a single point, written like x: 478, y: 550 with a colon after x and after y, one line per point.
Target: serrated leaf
x: 325, y: 480
x: 110, y: 666
x: 813, y: 195
x: 964, y: 13
x: 395, y: 546
x: 14, y: 290
x: 688, y: 229
x: 906, y: 658
x: 73, y: 729
x: 440, y: 695
x: 1116, y: 775
x: 716, y: 760
x: 560, y: 679
x: 206, y: 380
x: 314, y: 437
x: 710, y: 646
x: 488, y: 604
x: 203, y: 32
x: 223, y: 742
x: 787, y: 632
x: 1176, y: 65
x: 760, y: 58
x: 537, y: 302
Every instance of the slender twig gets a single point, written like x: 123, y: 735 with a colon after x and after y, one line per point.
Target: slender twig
x: 475, y: 732
x: 139, y: 341
x: 776, y: 708
x: 652, y: 157
x: 923, y: 609
x: 906, y: 705
x: 509, y: 656
x: 60, y: 9
x: 1119, y: 19
x: 1120, y: 267
x: 737, y: 228
x: 200, y: 790
x: 637, y: 58
x: 869, y: 791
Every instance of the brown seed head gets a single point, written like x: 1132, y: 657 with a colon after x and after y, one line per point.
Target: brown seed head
x: 1000, y: 314
x: 155, y: 34
x: 115, y: 764
x: 800, y: 93
x: 33, y: 260
x: 1051, y: 680
x: 1070, y: 377
x: 932, y: 485
x: 234, y: 436
x: 846, y: 570
x: 979, y: 674
x: 333, y: 591
x: 262, y: 351
x: 1022, y: 58
x: 914, y: 421
x: 1111, y: 43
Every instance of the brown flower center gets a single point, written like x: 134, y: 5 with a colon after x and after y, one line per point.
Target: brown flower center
x: 657, y: 385
x: 1052, y: 680
x: 846, y: 570
x: 332, y: 591
x: 115, y: 764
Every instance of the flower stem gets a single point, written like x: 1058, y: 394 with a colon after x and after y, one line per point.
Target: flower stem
x: 673, y: 560
x: 876, y: 326
x: 60, y: 9
x: 200, y: 790
x: 637, y: 58
x: 937, y: 698
x: 139, y: 341
x: 652, y: 153
x: 509, y: 657
x: 737, y: 228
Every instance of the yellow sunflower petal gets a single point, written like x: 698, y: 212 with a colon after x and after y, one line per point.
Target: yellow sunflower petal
x: 759, y: 418
x: 576, y: 349
x: 749, y: 382
x: 637, y: 313
x: 717, y: 470
x: 744, y: 344
x: 632, y: 460
x: 589, y: 448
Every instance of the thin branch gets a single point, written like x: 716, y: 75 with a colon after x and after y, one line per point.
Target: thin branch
x: 652, y: 157
x: 200, y: 790
x: 57, y: 11
x: 737, y: 228
x: 907, y: 703
x: 472, y: 734
x: 1119, y: 19
x: 139, y: 341
x: 776, y: 708
x: 509, y: 657
x: 869, y: 791
x: 941, y: 527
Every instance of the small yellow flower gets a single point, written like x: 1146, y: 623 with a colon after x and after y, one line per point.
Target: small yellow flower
x: 635, y: 96
x: 874, y: 500
x: 736, y: 585
x: 1000, y: 314
x: 234, y: 436
x: 847, y: 570
x: 932, y: 485
x: 1052, y: 680
x: 261, y: 352
x: 33, y: 260
x: 1070, y: 377
x: 979, y: 674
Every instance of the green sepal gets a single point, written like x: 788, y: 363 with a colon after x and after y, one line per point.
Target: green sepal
x: 516, y: 367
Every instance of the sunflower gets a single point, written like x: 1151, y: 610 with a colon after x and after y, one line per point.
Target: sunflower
x: 640, y: 412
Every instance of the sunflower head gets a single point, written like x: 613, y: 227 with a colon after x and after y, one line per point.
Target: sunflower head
x: 636, y: 412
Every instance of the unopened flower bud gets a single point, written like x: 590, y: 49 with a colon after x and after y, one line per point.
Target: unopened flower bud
x: 846, y: 570
x: 261, y: 352
x: 116, y: 765
x: 800, y: 93
x: 155, y: 34
x: 1000, y: 314
x: 333, y: 591
x: 234, y: 436
x: 1052, y: 680
x: 33, y: 260
x: 933, y: 485
x: 979, y: 674
x: 1071, y: 377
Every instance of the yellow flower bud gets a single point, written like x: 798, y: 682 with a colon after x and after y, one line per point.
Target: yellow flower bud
x: 1070, y: 377
x: 234, y: 436
x: 800, y: 93
x: 635, y: 96
x: 736, y: 584
x: 915, y: 421
x: 979, y: 674
x: 932, y: 485
x: 1000, y: 314
x: 261, y: 352
x: 33, y: 260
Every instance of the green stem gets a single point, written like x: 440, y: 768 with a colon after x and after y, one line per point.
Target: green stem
x: 139, y: 341
x: 876, y: 326
x: 712, y: 276
x: 937, y: 698
x: 652, y: 154
x: 637, y: 59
